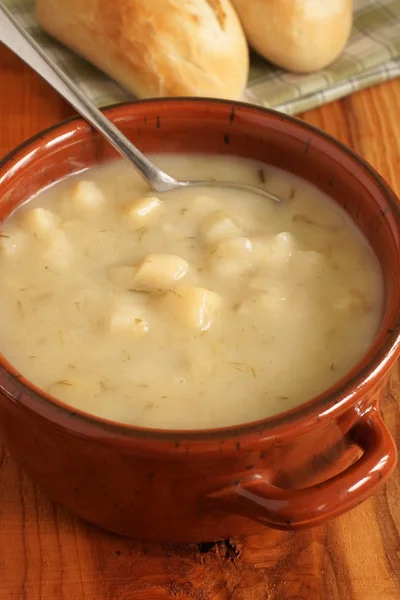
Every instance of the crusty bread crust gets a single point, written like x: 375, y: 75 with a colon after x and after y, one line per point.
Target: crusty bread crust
x: 298, y: 35
x: 155, y: 48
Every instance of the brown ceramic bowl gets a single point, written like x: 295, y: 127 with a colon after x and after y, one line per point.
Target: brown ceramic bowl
x: 290, y: 471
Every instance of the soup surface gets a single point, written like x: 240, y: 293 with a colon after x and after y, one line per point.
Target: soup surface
x: 199, y: 309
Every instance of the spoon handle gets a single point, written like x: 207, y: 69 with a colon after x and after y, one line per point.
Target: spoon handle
x: 22, y: 44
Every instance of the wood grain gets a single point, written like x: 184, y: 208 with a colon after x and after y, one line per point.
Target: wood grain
x: 46, y: 554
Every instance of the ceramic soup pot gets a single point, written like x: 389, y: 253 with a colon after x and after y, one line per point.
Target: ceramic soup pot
x: 294, y: 470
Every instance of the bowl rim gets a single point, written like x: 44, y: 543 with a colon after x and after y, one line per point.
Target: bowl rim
x: 333, y: 401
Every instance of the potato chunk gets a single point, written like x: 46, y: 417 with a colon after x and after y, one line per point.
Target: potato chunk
x: 86, y: 196
x: 232, y: 257
x: 217, y: 227
x: 142, y: 210
x: 40, y: 221
x: 160, y: 272
x: 193, y: 307
x: 130, y: 314
x: 276, y: 250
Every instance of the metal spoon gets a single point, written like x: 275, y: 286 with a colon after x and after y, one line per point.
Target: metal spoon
x: 22, y: 44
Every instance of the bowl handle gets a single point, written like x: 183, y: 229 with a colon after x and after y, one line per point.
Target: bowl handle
x: 254, y: 496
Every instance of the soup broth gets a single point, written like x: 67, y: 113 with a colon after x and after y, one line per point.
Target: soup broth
x: 200, y: 308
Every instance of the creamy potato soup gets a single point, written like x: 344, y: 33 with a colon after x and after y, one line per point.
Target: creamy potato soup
x: 200, y: 308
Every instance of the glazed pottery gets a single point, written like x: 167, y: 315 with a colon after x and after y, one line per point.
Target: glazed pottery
x: 293, y: 470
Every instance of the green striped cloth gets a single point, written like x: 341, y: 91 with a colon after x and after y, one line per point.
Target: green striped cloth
x: 371, y: 56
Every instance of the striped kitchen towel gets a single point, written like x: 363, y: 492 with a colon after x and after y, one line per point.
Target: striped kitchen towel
x: 372, y: 56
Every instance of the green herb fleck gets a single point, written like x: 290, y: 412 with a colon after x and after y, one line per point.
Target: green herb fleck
x: 261, y: 175
x: 20, y: 309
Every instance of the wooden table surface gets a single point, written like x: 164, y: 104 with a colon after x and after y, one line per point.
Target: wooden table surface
x: 46, y: 554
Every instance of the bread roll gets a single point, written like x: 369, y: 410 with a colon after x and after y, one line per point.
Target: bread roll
x: 155, y: 48
x: 298, y: 35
